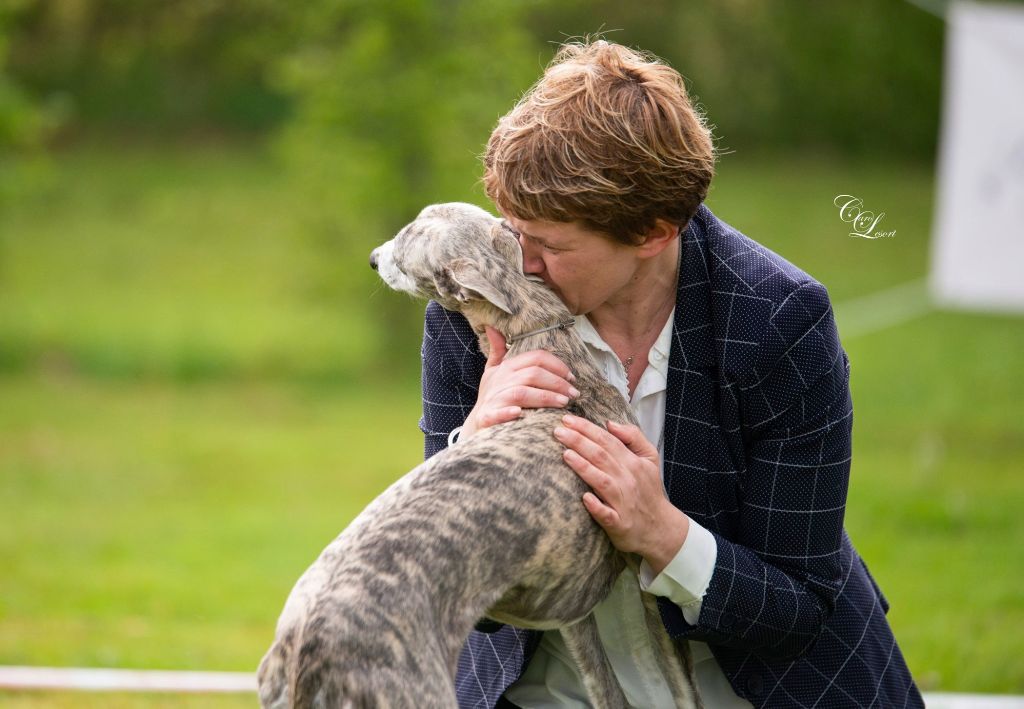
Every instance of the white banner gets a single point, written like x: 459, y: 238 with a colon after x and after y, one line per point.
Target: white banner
x: 978, y: 233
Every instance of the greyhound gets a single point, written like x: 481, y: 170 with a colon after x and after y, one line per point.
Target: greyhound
x: 380, y: 617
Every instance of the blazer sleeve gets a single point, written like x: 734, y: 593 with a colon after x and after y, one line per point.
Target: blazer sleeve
x: 452, y: 365
x: 776, y: 582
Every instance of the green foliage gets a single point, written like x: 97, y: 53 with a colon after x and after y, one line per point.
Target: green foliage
x: 153, y: 67
x: 24, y: 123
x: 19, y: 121
x: 428, y: 76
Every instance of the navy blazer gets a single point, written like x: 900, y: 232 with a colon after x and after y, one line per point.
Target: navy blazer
x: 758, y: 423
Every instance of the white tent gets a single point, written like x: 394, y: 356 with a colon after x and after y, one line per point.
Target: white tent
x: 978, y: 234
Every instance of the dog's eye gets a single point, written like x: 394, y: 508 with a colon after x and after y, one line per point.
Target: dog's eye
x: 509, y: 228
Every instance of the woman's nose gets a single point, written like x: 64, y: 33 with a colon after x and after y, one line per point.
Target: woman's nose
x: 532, y: 262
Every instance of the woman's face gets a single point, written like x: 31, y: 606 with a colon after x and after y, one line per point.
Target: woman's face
x: 584, y: 268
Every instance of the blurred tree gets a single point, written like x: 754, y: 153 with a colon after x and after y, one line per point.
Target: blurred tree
x: 24, y: 122
x: 154, y: 66
x: 394, y: 101
x: 846, y: 77
x: 19, y: 121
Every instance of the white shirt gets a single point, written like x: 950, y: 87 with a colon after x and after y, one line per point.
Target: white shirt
x: 551, y: 680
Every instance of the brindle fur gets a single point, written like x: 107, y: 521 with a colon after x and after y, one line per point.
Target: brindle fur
x: 493, y: 526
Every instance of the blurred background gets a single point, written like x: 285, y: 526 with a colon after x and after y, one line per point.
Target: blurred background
x: 202, y: 382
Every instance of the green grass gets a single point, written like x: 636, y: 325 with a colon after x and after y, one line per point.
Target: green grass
x: 161, y: 526
x: 936, y: 494
x: 186, y: 416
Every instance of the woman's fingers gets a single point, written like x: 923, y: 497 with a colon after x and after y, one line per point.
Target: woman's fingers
x: 604, y: 515
x: 531, y: 380
x: 603, y: 484
x: 538, y: 377
x: 634, y: 439
x: 529, y: 397
x: 492, y: 417
x: 587, y: 430
x: 628, y: 498
x: 544, y: 360
x: 586, y: 446
x: 497, y: 346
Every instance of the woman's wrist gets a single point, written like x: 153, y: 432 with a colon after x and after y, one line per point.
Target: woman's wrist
x: 672, y: 532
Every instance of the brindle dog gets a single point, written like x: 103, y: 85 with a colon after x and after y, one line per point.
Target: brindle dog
x: 493, y: 526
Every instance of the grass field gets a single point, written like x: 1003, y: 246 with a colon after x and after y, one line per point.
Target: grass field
x: 186, y: 418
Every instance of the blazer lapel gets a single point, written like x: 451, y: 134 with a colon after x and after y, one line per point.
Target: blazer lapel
x: 689, y: 400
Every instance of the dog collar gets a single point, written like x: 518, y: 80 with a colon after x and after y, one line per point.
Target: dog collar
x: 564, y: 325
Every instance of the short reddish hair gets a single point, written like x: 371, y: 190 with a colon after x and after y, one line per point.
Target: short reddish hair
x: 607, y: 137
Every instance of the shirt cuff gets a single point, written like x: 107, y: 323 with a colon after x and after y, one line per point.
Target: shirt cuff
x: 686, y: 578
x: 453, y: 437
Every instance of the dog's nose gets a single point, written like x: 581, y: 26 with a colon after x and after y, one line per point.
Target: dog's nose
x: 373, y: 259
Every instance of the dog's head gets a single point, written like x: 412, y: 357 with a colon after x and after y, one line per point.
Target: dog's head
x: 456, y: 254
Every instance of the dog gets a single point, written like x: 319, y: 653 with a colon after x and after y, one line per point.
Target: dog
x: 380, y: 617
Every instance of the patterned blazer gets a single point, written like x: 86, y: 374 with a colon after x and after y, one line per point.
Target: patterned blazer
x: 757, y: 450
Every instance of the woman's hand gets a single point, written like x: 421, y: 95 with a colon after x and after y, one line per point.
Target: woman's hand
x: 628, y: 499
x: 531, y: 380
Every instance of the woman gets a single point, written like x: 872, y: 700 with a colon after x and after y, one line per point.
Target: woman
x: 733, y: 487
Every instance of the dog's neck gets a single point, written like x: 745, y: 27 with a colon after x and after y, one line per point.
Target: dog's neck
x: 537, y: 309
x: 531, y: 329
x: 561, y: 325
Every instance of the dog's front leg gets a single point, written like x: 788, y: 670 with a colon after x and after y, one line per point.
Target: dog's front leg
x: 599, y: 680
x: 674, y: 658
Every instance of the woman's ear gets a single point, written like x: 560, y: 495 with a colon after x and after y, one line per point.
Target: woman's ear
x: 659, y: 237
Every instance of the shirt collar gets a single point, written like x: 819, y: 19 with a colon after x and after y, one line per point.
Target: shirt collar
x: 656, y: 358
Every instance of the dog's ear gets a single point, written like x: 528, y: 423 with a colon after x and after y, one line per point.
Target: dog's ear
x: 506, y: 245
x: 466, y: 280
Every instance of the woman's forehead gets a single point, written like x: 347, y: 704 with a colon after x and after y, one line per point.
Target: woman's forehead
x: 549, y: 230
